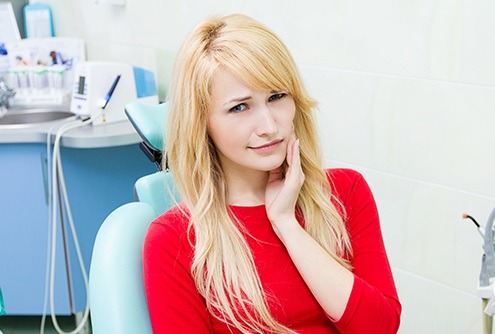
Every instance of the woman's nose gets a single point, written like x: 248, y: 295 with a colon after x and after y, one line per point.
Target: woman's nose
x: 265, y: 123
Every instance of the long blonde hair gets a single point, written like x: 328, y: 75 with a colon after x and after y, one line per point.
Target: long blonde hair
x: 223, y: 266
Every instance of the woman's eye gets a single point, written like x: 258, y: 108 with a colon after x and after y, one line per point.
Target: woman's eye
x: 277, y: 96
x: 238, y: 108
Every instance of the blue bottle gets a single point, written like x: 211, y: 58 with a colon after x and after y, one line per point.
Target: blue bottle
x: 4, y: 60
x: 38, y: 20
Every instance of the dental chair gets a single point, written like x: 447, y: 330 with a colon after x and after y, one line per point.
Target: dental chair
x: 116, y: 290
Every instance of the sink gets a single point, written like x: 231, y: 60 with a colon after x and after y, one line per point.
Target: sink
x: 30, y: 116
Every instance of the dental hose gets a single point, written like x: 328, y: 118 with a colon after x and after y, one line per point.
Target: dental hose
x: 57, y: 174
x: 49, y: 232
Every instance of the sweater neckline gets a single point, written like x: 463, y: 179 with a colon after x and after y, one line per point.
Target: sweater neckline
x: 248, y: 209
x: 247, y: 206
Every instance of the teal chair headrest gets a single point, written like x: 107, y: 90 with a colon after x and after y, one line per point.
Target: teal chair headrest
x: 149, y: 121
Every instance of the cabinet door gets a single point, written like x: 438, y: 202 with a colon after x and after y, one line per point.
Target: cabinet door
x: 98, y: 181
x: 24, y: 229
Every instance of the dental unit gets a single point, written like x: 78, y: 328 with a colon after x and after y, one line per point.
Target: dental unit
x: 91, y: 94
x: 101, y: 90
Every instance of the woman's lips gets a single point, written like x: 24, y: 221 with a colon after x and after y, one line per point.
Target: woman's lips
x: 267, y: 148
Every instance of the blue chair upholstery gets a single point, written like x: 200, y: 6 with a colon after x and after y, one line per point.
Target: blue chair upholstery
x: 158, y: 190
x: 149, y: 122
x: 117, y: 298
x: 116, y: 291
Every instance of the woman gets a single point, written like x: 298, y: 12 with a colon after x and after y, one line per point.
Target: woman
x: 265, y: 240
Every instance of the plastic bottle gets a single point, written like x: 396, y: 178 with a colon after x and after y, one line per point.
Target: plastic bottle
x: 38, y: 19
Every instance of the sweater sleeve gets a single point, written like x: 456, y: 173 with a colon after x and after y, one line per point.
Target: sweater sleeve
x: 174, y: 304
x: 373, y: 305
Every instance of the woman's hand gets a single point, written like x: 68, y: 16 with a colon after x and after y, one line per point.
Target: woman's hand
x: 282, y: 192
x: 328, y: 280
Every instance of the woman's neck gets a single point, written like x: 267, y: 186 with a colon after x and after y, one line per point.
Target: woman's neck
x: 246, y: 189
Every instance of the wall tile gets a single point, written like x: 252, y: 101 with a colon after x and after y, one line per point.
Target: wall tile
x: 432, y: 308
x: 435, y: 131
x: 445, y: 40
x: 125, y: 53
x: 392, y: 36
x: 477, y: 43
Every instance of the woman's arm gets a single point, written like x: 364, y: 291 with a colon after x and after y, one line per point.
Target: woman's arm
x: 358, y: 300
x: 330, y: 283
x: 373, y: 302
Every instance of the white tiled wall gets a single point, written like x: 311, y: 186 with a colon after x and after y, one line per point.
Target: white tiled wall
x: 407, y: 97
x: 436, y: 308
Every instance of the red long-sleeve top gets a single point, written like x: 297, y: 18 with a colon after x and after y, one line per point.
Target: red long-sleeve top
x: 175, y: 305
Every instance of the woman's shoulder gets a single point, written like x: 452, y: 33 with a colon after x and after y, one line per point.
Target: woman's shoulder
x: 170, y: 225
x: 167, y: 242
x: 176, y: 215
x: 351, y: 191
x: 347, y: 184
x: 342, y: 178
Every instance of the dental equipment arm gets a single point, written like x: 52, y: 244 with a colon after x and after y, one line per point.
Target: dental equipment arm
x: 488, y: 260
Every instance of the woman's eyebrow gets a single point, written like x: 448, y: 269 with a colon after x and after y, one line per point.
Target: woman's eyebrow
x: 237, y: 99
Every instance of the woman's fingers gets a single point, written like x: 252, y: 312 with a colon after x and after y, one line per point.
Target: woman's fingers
x: 290, y: 150
x: 282, y: 191
x: 294, y: 172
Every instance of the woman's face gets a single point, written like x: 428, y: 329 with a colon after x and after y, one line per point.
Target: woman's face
x: 250, y: 128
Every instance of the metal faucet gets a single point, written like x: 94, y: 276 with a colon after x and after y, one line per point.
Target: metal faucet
x: 5, y: 94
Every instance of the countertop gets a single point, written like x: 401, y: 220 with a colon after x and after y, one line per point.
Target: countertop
x: 87, y: 136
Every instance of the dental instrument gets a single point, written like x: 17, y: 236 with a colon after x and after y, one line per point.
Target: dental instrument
x: 478, y: 227
x: 110, y: 92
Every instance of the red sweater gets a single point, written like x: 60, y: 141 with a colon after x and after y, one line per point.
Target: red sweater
x: 175, y: 305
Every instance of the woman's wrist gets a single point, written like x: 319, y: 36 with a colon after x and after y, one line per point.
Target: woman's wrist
x: 287, y: 229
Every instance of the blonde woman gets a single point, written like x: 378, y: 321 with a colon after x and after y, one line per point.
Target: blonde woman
x: 265, y: 240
